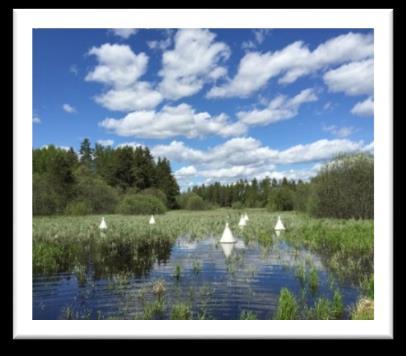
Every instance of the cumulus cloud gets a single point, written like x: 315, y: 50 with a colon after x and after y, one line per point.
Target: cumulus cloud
x: 68, y: 108
x: 364, y: 108
x: 193, y: 62
x: 246, y: 157
x: 292, y: 62
x: 280, y: 108
x: 136, y: 97
x: 124, y: 32
x: 161, y: 44
x: 36, y: 120
x: 105, y: 142
x: 249, y: 151
x: 120, y: 68
x: 171, y: 121
x: 118, y: 65
x: 185, y: 172
x: 356, y: 78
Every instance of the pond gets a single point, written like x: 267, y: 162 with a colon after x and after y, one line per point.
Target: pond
x: 208, y: 279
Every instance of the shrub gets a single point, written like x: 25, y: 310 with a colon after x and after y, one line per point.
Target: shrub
x: 280, y: 199
x: 344, y: 188
x: 195, y: 203
x: 140, y: 204
x: 78, y: 207
x: 45, y: 200
x: 237, y: 205
x: 101, y: 197
x: 154, y: 192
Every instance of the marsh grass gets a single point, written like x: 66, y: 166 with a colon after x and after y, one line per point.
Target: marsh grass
x: 248, y: 315
x: 287, y: 306
x: 181, y: 311
x: 364, y: 310
x: 130, y: 245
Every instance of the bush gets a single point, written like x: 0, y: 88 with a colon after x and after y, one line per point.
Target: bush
x: 280, y: 199
x: 78, y: 207
x: 191, y: 201
x: 100, y: 197
x: 237, y: 205
x: 344, y: 188
x: 140, y: 204
x: 196, y: 203
x: 154, y: 192
x: 45, y: 200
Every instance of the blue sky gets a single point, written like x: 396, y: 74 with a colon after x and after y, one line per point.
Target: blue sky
x: 221, y: 104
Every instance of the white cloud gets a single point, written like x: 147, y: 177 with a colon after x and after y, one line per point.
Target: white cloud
x: 65, y: 148
x: 364, y: 108
x: 185, y: 172
x: 341, y: 132
x: 162, y: 44
x: 68, y: 108
x: 356, y: 78
x: 118, y: 65
x: 136, y: 97
x: 259, y: 37
x: 247, y: 151
x: 105, y: 142
x: 191, y: 64
x: 130, y: 144
x: 36, y: 120
x: 246, y: 157
x: 120, y: 68
x: 124, y: 32
x: 280, y: 108
x: 171, y: 121
x: 369, y: 148
x: 292, y: 62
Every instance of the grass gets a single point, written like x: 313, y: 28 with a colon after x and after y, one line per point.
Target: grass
x: 181, y: 311
x: 287, y: 306
x: 248, y: 315
x: 364, y: 310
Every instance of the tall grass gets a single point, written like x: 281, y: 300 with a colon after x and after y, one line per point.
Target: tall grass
x: 287, y: 306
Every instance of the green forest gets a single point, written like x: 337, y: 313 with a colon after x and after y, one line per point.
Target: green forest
x: 127, y: 180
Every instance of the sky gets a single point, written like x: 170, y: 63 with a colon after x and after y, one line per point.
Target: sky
x: 220, y: 104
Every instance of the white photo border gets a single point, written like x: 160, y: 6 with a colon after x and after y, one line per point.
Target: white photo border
x: 24, y: 21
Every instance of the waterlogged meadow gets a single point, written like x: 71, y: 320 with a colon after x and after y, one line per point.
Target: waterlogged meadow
x: 178, y: 269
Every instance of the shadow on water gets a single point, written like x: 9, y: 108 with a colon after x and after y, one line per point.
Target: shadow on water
x: 114, y: 278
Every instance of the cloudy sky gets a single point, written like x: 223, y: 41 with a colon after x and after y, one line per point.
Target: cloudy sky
x: 221, y: 104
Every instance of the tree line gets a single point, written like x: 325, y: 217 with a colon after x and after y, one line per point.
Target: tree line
x: 101, y: 180
x: 130, y: 181
x: 343, y: 188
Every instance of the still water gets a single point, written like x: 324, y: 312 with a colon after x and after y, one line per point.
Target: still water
x: 218, y: 281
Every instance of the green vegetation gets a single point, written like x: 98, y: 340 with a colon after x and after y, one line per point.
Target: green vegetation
x: 364, y: 310
x: 344, y: 188
x: 99, y: 180
x: 181, y: 312
x: 287, y: 306
x: 248, y: 315
x: 139, y: 204
x: 129, y: 247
